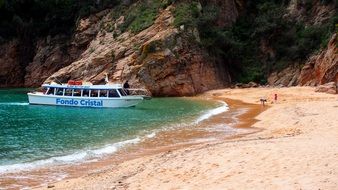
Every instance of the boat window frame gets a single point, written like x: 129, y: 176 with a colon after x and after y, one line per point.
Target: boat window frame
x: 77, y: 89
x: 57, y: 90
x: 123, y: 92
x: 71, y: 94
x: 116, y: 92
x: 106, y: 95
x: 91, y: 91
x: 85, y: 93
x: 48, y: 91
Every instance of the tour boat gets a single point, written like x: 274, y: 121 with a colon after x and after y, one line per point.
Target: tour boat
x: 74, y: 93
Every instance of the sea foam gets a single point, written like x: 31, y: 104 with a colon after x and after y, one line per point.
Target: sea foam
x: 93, y: 154
x: 78, y: 157
x: 223, y: 108
x: 14, y: 103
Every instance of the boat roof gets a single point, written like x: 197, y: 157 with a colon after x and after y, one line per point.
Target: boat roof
x: 96, y: 87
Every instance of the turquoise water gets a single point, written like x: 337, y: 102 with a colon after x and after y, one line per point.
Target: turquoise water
x: 47, y: 134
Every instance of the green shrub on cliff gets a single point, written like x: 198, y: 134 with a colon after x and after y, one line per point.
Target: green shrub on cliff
x: 142, y: 14
x: 186, y: 14
x: 240, y: 47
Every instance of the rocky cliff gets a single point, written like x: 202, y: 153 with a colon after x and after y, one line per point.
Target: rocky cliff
x: 319, y: 69
x: 11, y: 74
x: 166, y: 58
x: 162, y: 58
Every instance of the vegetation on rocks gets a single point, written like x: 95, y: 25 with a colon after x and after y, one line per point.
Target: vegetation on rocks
x: 260, y: 40
x: 37, y: 18
x: 263, y: 22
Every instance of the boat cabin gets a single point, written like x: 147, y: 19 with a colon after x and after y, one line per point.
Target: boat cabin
x: 102, y: 91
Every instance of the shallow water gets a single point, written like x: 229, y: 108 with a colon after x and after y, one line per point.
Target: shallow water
x: 33, y: 136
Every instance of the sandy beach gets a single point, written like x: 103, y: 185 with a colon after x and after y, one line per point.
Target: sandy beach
x: 296, y: 148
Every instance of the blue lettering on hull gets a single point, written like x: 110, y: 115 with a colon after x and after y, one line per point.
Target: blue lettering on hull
x: 84, y: 103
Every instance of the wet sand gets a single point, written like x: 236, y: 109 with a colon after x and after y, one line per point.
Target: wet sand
x: 291, y: 145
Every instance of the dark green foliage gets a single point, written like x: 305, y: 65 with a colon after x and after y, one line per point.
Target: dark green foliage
x: 142, y: 15
x: 186, y: 14
x: 45, y: 17
x: 239, y: 45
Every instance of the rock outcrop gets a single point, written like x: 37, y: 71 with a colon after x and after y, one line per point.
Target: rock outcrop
x: 314, y: 12
x: 10, y: 69
x: 330, y: 88
x: 161, y: 58
x: 286, y: 77
x: 321, y: 68
x: 55, y: 53
x: 318, y: 69
x: 51, y: 55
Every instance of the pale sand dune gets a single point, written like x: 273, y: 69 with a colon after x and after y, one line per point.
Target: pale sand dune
x: 297, y: 149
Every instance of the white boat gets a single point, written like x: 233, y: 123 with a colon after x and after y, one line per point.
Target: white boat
x: 76, y: 94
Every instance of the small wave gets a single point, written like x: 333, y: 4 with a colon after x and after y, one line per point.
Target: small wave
x: 15, y: 103
x: 86, y: 155
x: 151, y: 135
x: 213, y: 112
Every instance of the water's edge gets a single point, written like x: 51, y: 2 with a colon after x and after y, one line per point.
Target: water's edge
x: 96, y: 157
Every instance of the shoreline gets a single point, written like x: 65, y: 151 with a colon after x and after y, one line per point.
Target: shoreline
x: 174, y: 139
x: 151, y: 147
x: 296, y: 148
x: 275, y: 156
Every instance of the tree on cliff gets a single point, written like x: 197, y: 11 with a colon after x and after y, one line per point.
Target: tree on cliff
x: 45, y: 17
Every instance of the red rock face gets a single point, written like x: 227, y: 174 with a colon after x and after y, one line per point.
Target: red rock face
x: 180, y: 72
x: 161, y: 58
x: 11, y: 73
x: 52, y: 54
x: 321, y: 68
x: 49, y: 58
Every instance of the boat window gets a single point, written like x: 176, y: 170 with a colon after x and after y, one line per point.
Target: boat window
x: 103, y: 93
x: 122, y: 92
x: 94, y: 93
x: 59, y: 91
x: 113, y: 93
x: 68, y: 92
x: 85, y: 93
x: 77, y: 92
x: 50, y: 91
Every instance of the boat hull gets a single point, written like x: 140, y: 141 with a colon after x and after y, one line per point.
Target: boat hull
x: 96, y: 102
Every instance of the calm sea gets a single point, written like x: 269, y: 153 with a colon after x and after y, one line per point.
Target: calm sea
x: 35, y: 136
